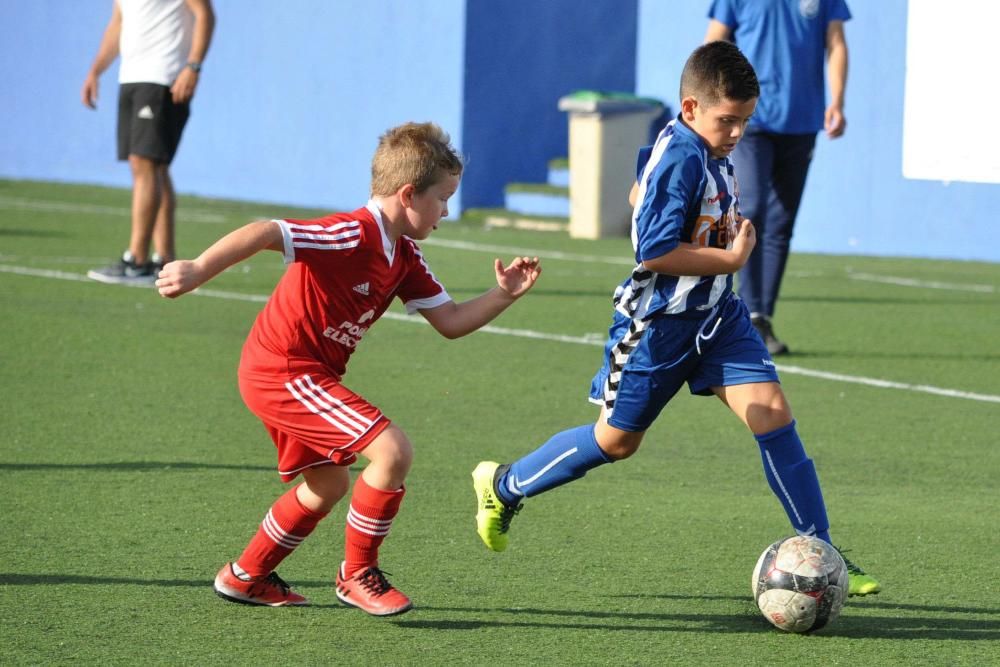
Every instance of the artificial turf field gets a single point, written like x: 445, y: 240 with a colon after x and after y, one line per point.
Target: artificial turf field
x: 131, y: 470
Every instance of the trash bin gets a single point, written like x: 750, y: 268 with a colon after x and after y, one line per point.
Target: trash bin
x: 605, y: 132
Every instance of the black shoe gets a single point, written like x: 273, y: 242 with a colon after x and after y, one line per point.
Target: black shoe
x: 763, y: 326
x: 157, y: 264
x: 125, y: 272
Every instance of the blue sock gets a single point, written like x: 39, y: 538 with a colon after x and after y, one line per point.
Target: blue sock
x: 793, y: 479
x: 565, y: 457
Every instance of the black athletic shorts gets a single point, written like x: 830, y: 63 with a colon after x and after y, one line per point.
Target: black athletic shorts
x: 149, y: 123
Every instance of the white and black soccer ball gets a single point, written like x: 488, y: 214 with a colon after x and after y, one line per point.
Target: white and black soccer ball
x: 800, y: 584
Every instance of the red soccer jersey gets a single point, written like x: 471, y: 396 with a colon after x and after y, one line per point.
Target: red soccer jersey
x: 343, y: 274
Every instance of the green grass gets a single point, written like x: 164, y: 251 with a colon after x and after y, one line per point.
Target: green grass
x: 480, y: 215
x: 538, y: 188
x: 131, y: 470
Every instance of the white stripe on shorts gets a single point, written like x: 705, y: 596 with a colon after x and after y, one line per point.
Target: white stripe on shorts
x: 347, y: 410
x: 328, y: 412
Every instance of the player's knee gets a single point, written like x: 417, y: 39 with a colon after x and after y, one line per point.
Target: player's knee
x: 616, y: 443
x: 391, y: 450
x: 767, y: 417
x: 402, y: 450
x: 618, y: 449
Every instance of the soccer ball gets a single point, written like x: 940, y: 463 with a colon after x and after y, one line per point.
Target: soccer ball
x: 800, y: 584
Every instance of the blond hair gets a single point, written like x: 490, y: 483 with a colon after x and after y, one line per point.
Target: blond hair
x: 414, y: 153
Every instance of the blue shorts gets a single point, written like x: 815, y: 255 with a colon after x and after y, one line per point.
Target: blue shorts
x: 644, y: 368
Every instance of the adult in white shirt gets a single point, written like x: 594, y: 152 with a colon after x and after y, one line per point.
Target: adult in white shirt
x: 162, y: 44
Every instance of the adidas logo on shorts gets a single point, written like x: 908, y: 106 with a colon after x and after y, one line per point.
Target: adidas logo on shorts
x: 362, y: 288
x: 146, y: 112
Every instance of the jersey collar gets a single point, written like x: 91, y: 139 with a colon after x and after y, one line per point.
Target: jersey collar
x: 387, y: 246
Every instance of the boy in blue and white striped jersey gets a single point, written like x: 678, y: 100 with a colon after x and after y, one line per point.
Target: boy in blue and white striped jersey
x: 677, y: 319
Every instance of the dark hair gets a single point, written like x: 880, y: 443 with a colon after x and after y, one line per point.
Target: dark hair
x: 719, y: 71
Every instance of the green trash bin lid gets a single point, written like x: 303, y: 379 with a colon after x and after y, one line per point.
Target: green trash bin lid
x: 600, y: 101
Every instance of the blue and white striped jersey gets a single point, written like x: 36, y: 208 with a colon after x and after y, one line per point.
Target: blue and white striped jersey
x: 685, y: 196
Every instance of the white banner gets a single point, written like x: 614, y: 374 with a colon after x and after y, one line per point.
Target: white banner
x: 950, y: 130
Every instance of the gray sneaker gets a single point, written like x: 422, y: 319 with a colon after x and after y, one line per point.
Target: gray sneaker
x: 125, y: 272
x: 157, y: 265
x: 763, y: 326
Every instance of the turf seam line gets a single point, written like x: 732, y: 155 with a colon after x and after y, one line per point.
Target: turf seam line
x: 49, y: 206
x: 590, y: 339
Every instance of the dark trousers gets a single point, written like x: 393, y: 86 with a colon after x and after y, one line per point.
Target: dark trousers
x: 771, y: 171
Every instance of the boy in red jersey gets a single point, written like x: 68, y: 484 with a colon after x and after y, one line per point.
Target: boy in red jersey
x: 344, y: 271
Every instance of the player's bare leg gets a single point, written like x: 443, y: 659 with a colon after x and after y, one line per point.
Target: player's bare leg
x: 616, y: 443
x: 760, y: 405
x: 324, y: 487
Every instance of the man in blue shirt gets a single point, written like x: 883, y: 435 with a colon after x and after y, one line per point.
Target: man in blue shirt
x: 786, y: 42
x: 676, y: 319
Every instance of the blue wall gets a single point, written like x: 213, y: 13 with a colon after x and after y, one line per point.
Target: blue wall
x: 521, y: 56
x: 291, y: 103
x: 294, y: 96
x: 856, y: 199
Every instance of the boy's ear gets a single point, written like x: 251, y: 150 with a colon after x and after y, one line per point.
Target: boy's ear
x: 688, y: 105
x: 406, y: 193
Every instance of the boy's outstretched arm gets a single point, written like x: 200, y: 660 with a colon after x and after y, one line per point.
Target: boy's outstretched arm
x: 184, y: 275
x: 688, y: 259
x: 453, y: 320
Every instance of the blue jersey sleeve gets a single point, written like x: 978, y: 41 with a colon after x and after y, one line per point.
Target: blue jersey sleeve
x: 643, y: 158
x: 838, y: 11
x: 676, y: 182
x: 724, y: 12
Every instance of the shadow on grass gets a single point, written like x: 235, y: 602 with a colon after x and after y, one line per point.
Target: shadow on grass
x: 133, y: 466
x: 15, y: 579
x: 869, y: 602
x: 860, y: 627
x: 34, y: 233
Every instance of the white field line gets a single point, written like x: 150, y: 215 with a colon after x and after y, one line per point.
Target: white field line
x: 623, y: 261
x: 196, y: 215
x: 588, y: 339
x: 184, y: 213
x: 925, y: 284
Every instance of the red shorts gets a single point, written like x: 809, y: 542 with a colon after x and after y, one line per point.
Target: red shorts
x: 312, y: 418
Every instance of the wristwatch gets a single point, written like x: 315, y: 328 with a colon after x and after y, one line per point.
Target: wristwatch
x: 195, y: 66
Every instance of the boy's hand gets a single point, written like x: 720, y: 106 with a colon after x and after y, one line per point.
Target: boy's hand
x: 177, y: 278
x: 746, y: 239
x: 517, y: 278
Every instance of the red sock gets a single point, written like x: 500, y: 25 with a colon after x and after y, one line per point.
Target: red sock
x: 283, y: 529
x: 368, y: 522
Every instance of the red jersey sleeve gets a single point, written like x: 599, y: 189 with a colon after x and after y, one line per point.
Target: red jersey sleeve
x: 420, y: 289
x: 311, y: 238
